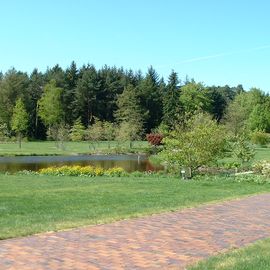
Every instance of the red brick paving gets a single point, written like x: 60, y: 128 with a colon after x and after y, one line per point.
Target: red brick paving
x: 164, y: 241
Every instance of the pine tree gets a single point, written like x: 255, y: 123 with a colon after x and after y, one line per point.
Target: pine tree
x: 34, y: 92
x: 171, y: 103
x: 71, y: 80
x: 129, y: 110
x: 151, y: 99
x: 86, y: 95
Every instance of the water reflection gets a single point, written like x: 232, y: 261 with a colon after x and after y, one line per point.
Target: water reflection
x: 129, y: 163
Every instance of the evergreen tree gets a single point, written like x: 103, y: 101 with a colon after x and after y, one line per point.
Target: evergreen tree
x: 151, y: 99
x: 34, y: 92
x: 218, y: 103
x: 171, y: 103
x: 112, y: 85
x: 57, y: 74
x: 129, y: 110
x: 69, y: 105
x: 86, y: 95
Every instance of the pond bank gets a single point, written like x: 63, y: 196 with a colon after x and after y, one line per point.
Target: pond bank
x: 130, y: 162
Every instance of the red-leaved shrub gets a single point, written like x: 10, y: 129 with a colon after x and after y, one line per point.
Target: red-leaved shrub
x: 154, y: 139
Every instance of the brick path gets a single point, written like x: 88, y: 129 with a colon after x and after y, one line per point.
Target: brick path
x: 164, y: 241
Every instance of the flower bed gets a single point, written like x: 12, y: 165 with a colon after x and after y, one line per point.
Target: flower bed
x: 82, y: 171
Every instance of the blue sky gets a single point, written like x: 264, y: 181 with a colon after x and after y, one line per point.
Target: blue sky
x: 216, y: 42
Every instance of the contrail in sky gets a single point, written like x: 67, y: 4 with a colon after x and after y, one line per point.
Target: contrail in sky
x: 207, y: 57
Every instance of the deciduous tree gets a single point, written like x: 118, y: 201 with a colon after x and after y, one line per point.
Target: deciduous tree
x: 19, y: 121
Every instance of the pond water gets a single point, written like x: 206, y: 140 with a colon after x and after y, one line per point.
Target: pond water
x: 129, y: 163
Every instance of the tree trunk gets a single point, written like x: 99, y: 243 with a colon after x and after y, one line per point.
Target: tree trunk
x: 20, y: 140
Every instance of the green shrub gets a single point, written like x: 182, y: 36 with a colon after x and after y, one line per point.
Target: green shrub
x: 260, y: 137
x: 262, y: 167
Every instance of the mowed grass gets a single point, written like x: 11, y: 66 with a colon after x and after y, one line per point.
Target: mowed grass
x: 262, y: 154
x: 252, y: 257
x: 30, y: 204
x: 70, y: 148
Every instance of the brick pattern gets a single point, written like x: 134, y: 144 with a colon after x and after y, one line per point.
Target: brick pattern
x: 164, y: 241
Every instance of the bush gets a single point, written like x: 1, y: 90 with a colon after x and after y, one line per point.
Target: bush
x: 82, y: 171
x: 242, y: 151
x: 77, y: 131
x: 262, y: 167
x: 260, y: 137
x: 154, y: 139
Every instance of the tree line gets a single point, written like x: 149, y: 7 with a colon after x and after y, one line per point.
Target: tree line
x: 61, y: 101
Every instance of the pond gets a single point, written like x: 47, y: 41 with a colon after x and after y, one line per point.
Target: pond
x: 129, y: 163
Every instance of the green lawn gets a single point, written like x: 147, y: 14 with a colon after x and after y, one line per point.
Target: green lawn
x: 262, y: 154
x: 70, y: 148
x: 31, y: 204
x: 252, y: 257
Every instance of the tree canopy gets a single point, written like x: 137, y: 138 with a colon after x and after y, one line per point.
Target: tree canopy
x: 113, y: 94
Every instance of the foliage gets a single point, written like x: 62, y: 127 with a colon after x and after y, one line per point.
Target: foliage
x: 194, y: 97
x: 50, y: 107
x: 248, y: 111
x: 241, y: 150
x: 129, y: 115
x: 12, y: 87
x: 128, y: 131
x: 19, y: 121
x: 77, y: 131
x: 262, y: 167
x: 154, y: 139
x: 150, y: 99
x: 108, y: 131
x: 260, y: 137
x: 86, y: 94
x: 172, y: 108
x: 259, y: 118
x: 95, y: 131
x: 116, y: 95
x: 201, y: 142
x: 82, y: 171
x: 4, y: 134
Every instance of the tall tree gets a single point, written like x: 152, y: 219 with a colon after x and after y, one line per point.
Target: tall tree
x: 238, y: 114
x: 34, y: 92
x: 50, y: 108
x: 57, y: 74
x: 86, y: 95
x: 69, y: 90
x: 12, y: 86
x: 129, y: 110
x: 151, y: 98
x: 171, y: 102
x: 112, y: 83
x: 194, y: 97
x: 218, y: 103
x: 19, y: 120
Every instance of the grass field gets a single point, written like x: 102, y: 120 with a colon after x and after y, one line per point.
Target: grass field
x: 252, y: 257
x: 30, y: 204
x: 70, y: 148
